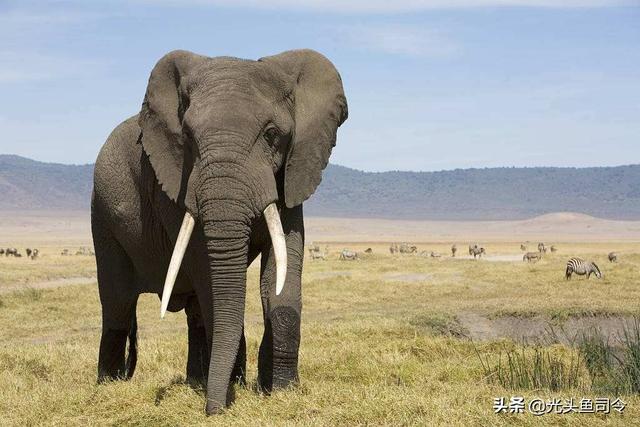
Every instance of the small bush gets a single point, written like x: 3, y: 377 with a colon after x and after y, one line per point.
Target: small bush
x: 534, y: 368
x: 30, y: 294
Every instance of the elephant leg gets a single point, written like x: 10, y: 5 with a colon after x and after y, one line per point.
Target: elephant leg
x: 239, y: 373
x: 278, y: 354
x: 198, y: 355
x: 118, y: 297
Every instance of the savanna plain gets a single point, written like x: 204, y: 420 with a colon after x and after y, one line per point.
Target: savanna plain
x: 398, y: 339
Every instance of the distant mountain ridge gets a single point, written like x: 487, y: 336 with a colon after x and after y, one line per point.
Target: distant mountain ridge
x: 461, y: 194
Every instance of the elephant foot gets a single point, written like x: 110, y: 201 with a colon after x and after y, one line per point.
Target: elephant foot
x: 111, y: 360
x: 198, y: 358
x: 284, y: 378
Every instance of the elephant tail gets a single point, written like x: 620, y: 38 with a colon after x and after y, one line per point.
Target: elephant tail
x: 132, y: 357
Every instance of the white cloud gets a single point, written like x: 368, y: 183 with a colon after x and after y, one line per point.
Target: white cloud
x: 391, y: 6
x: 400, y: 40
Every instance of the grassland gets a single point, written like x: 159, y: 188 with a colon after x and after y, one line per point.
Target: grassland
x: 386, y: 340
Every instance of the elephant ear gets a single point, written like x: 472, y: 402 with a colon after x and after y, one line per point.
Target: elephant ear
x: 161, y: 121
x: 320, y: 108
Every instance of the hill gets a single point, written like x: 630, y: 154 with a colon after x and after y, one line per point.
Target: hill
x: 461, y: 194
x: 33, y: 185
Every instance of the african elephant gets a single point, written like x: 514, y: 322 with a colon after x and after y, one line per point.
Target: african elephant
x: 211, y: 173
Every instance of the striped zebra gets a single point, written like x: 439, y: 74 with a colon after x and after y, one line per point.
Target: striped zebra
x: 582, y: 267
x: 476, y: 251
x: 532, y: 257
x: 347, y: 255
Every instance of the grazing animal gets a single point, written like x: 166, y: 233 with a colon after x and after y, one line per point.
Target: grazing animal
x: 64, y: 252
x: 435, y: 255
x: 613, y: 257
x: 17, y: 255
x: 553, y: 249
x: 393, y: 248
x: 315, y: 253
x: 406, y: 249
x: 523, y: 247
x: 11, y: 252
x: 1, y: 251
x: 28, y: 251
x: 368, y: 251
x: 477, y: 252
x: 34, y: 254
x: 542, y: 248
x: 454, y: 249
x: 581, y: 268
x: 347, y: 255
x: 532, y: 257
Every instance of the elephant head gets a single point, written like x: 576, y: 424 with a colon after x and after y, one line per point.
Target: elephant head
x: 229, y: 140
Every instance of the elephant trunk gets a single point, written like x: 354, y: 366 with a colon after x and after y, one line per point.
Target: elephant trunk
x: 228, y: 206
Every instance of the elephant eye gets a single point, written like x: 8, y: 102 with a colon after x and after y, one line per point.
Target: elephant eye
x: 271, y: 135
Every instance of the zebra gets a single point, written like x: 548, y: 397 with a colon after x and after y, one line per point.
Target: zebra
x: 613, y: 257
x: 476, y: 251
x: 454, y: 249
x: 582, y: 267
x: 406, y: 249
x: 347, y: 255
x: 553, y: 249
x: 435, y: 255
x: 542, y: 248
x: 523, y: 247
x: 28, y: 251
x: 35, y: 253
x: 316, y: 253
x: 532, y: 257
x: 393, y: 248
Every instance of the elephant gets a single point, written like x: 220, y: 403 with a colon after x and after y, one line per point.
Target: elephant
x: 211, y: 173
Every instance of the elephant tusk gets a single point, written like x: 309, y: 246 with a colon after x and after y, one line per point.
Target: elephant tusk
x: 176, y: 259
x: 272, y: 217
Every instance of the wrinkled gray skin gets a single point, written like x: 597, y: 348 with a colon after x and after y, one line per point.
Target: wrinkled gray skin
x: 220, y: 138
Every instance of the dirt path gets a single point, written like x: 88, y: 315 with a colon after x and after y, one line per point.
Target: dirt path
x: 48, y: 284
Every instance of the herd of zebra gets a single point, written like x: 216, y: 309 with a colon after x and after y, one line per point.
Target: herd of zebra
x: 536, y: 256
x: 575, y: 265
x: 31, y: 253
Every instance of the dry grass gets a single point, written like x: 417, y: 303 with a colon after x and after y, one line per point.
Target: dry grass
x: 381, y: 344
x: 49, y: 265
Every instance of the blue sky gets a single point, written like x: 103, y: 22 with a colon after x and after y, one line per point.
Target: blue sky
x: 431, y: 84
